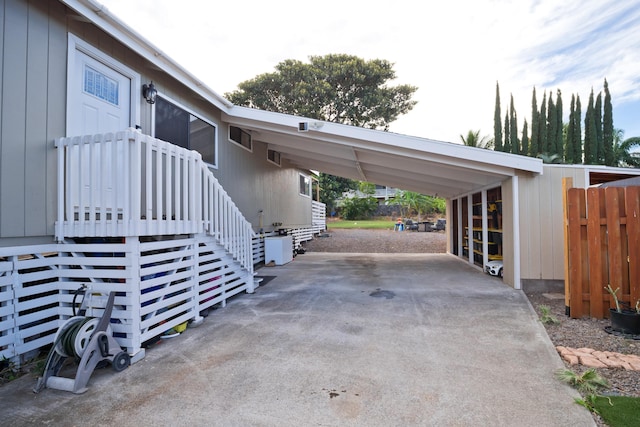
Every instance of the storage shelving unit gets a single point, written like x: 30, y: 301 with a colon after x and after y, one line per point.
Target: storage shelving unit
x: 474, y: 235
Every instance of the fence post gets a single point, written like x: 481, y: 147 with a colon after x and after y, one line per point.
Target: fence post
x: 595, y: 245
x: 632, y: 209
x: 567, y: 183
x: 614, y: 237
x: 575, y: 207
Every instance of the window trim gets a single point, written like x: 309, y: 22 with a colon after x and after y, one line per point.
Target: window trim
x: 193, y: 113
x: 308, y: 179
x: 239, y: 144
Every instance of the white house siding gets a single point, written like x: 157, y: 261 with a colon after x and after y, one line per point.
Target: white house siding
x: 541, y: 221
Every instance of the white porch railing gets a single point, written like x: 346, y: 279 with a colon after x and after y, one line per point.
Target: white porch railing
x: 318, y: 217
x: 130, y: 184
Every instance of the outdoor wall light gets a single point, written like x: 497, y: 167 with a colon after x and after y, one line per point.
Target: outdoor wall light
x: 149, y: 92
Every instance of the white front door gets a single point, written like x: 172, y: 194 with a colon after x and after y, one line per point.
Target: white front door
x: 100, y: 98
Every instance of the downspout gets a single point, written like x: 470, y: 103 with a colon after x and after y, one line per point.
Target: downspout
x: 515, y: 193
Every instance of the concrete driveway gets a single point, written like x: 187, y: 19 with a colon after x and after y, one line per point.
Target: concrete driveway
x: 336, y: 340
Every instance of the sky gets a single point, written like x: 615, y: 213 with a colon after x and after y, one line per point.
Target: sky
x: 455, y: 52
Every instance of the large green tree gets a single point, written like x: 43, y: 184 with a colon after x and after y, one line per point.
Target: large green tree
x: 597, y: 117
x: 506, y: 147
x: 577, y: 133
x: 559, y: 123
x: 332, y: 188
x: 513, y: 128
x: 607, y: 127
x: 590, y: 131
x: 552, y: 128
x: 336, y: 88
x: 542, y: 126
x: 569, y: 147
x: 497, y: 122
x: 525, y: 138
x: 534, y: 145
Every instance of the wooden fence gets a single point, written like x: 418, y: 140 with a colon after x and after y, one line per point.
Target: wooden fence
x: 602, y: 247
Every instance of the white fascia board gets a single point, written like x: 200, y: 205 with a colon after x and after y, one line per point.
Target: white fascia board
x: 275, y: 122
x: 101, y: 17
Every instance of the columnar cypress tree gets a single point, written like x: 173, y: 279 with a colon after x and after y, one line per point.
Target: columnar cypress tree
x: 507, y: 138
x: 590, y: 142
x: 542, y: 125
x: 607, y: 127
x: 497, y: 122
x: 560, y: 128
x: 552, y: 128
x: 577, y: 133
x: 535, y: 117
x: 525, y: 138
x: 597, y: 116
x: 569, y: 150
x: 513, y: 129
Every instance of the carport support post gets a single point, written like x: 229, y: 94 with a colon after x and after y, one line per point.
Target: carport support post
x: 485, y: 230
x: 516, y: 231
x: 470, y: 227
x: 458, y: 213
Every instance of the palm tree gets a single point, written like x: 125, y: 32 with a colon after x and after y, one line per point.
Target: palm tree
x: 412, y: 201
x: 473, y: 140
x: 550, y: 158
x: 623, y: 156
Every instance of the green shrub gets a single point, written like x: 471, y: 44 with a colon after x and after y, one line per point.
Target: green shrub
x: 358, y: 208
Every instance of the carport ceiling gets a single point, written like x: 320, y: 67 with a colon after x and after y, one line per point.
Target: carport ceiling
x: 410, y: 163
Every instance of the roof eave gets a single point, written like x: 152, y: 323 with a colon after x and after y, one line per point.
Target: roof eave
x: 102, y: 18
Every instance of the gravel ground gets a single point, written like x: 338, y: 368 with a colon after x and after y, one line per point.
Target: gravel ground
x: 575, y: 333
x: 379, y: 241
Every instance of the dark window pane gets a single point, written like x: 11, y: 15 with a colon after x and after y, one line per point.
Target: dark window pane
x: 203, y: 137
x: 172, y: 123
x: 240, y: 136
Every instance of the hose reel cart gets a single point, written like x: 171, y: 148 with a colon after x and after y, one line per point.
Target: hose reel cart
x: 89, y: 340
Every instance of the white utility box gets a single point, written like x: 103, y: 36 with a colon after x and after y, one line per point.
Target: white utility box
x: 278, y: 249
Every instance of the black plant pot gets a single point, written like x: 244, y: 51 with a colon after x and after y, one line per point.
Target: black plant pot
x: 626, y: 321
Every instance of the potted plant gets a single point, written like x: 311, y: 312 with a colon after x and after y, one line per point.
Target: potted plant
x: 625, y: 321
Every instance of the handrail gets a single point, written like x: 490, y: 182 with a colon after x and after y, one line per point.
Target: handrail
x: 130, y: 184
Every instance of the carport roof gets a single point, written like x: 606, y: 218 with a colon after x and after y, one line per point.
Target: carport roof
x: 411, y: 163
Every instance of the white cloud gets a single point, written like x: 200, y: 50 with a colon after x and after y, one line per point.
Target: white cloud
x: 453, y: 51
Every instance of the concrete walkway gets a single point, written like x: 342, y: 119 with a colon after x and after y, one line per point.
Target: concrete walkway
x: 336, y: 340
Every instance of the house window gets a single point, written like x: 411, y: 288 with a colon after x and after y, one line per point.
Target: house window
x: 240, y: 137
x: 274, y: 157
x: 176, y: 125
x: 305, y: 186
